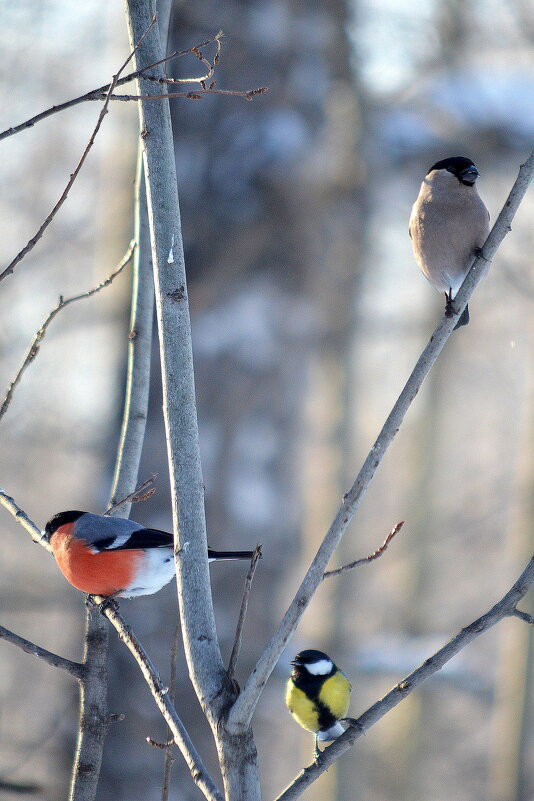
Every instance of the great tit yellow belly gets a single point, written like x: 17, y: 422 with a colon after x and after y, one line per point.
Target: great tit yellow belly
x: 317, y: 695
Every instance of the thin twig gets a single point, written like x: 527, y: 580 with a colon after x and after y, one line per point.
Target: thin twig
x: 366, y: 559
x: 75, y: 669
x: 243, y: 612
x: 33, y: 350
x: 102, y: 91
x: 241, y: 713
x: 197, y: 94
x: 20, y: 787
x: 210, y: 66
x: 169, y: 756
x: 524, y: 616
x: 137, y: 495
x: 36, y: 237
x: 161, y: 696
x: 137, y: 390
x: 506, y: 607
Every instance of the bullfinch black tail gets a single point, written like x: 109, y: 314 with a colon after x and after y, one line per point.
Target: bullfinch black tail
x: 464, y: 319
x: 215, y: 555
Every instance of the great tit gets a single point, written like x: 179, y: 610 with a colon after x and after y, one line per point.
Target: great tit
x: 317, y: 695
x: 110, y: 556
x: 448, y: 225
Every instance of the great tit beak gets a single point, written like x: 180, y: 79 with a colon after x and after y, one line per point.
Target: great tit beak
x: 469, y: 175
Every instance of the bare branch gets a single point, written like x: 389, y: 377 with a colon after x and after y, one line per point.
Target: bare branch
x: 135, y: 412
x: 161, y: 696
x: 20, y: 787
x: 243, y: 612
x: 197, y: 94
x: 169, y: 756
x: 33, y: 350
x: 94, y: 718
x: 210, y: 66
x: 75, y: 669
x: 102, y: 91
x: 21, y: 517
x: 136, y: 496
x: 36, y: 237
x: 237, y: 755
x: 524, y: 616
x: 241, y: 712
x: 366, y: 559
x: 506, y: 607
x: 187, y: 487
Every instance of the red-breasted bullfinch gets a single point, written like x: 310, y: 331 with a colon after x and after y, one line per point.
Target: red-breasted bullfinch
x: 448, y: 225
x: 103, y: 555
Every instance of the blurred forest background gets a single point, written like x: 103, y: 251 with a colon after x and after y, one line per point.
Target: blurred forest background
x: 308, y: 314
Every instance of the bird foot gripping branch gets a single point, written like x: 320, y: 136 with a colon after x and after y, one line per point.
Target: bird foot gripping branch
x: 448, y: 226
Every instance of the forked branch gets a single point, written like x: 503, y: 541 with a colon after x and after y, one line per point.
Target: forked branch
x: 242, y: 710
x: 506, y: 607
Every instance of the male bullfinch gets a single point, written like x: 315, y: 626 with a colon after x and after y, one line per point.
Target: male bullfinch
x: 448, y: 225
x: 111, y: 556
x: 317, y: 695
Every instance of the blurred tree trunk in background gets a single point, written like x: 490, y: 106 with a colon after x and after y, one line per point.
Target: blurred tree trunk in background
x: 272, y: 215
x: 510, y: 777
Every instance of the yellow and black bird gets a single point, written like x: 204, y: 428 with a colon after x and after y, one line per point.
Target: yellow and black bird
x: 317, y: 695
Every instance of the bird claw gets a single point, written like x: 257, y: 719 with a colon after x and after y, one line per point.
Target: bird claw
x: 108, y: 602
x: 355, y: 724
x: 316, y: 751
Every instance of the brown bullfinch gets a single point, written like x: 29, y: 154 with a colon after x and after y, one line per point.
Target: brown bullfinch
x: 103, y: 555
x: 448, y: 225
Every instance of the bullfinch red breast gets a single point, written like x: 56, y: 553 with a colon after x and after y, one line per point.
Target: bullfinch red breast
x: 103, y: 555
x: 448, y: 225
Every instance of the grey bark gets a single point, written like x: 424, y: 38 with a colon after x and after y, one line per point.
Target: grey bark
x: 94, y: 718
x: 237, y: 754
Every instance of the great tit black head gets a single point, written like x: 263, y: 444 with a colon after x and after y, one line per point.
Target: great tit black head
x: 315, y: 663
x: 448, y: 225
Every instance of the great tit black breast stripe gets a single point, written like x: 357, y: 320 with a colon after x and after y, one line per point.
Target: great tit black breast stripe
x: 325, y: 718
x: 311, y: 686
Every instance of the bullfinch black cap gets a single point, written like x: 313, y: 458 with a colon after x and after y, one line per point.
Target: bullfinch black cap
x: 61, y: 519
x: 463, y: 168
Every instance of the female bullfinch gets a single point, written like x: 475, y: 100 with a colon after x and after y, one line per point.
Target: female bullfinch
x: 448, y: 225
